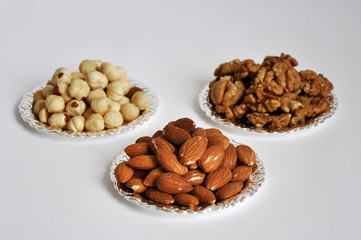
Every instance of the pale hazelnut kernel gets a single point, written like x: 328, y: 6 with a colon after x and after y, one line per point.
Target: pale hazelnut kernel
x: 123, y: 100
x: 75, y: 107
x: 50, y: 82
x: 129, y: 111
x: 54, y: 104
x: 76, y: 124
x: 43, y: 115
x: 87, y: 66
x: 126, y: 86
x: 61, y: 75
x: 77, y: 75
x: 101, y: 105
x: 96, y: 80
x: 94, y: 122
x: 38, y: 95
x: 113, y: 119
x: 115, y: 106
x: 97, y: 93
x: 112, y: 72
x: 61, y: 89
x: 141, y: 100
x: 87, y: 113
x: 58, y: 120
x: 79, y: 89
x: 48, y: 90
x: 40, y: 104
x: 115, y: 90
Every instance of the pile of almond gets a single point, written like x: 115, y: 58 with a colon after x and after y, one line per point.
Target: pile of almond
x: 185, y: 165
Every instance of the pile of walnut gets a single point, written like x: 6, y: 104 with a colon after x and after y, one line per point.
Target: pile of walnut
x: 96, y: 98
x: 186, y: 166
x: 272, y: 95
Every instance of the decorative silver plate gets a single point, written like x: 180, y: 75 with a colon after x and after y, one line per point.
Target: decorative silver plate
x: 256, y: 180
x: 206, y: 106
x: 26, y: 104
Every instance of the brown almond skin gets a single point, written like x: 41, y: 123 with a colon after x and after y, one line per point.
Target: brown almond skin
x: 195, y: 177
x: 170, y: 163
x: 217, y: 139
x: 158, y: 133
x: 151, y: 178
x: 199, y: 132
x: 144, y: 139
x: 246, y: 155
x: 241, y: 173
x: 204, y: 195
x: 213, y: 131
x: 132, y: 91
x: 192, y: 150
x: 211, y: 159
x: 138, y: 149
x: 218, y: 178
x: 123, y: 172
x: 186, y: 200
x: 185, y: 123
x: 140, y: 173
x: 193, y: 166
x: 230, y: 157
x: 136, y: 184
x: 229, y: 190
x: 160, y: 143
x: 143, y: 162
x: 175, y: 135
x: 158, y: 196
x: 173, y: 184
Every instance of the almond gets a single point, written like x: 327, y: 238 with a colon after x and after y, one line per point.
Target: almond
x: 143, y: 162
x: 241, y: 173
x: 158, y: 196
x: 186, y: 200
x: 173, y: 184
x: 199, y: 132
x: 195, y: 177
x: 193, y: 166
x: 218, y: 178
x: 158, y: 133
x: 213, y: 131
x: 246, y: 155
x: 144, y: 139
x: 170, y: 163
x: 140, y: 173
x: 136, y: 184
x: 211, y: 159
x: 160, y: 143
x: 203, y: 195
x: 138, y: 149
x: 229, y: 190
x: 192, y: 150
x: 175, y: 135
x: 218, y: 140
x: 150, y: 179
x: 185, y: 123
x: 230, y: 157
x: 123, y: 172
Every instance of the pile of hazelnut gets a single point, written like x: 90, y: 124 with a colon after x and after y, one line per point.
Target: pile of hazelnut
x: 272, y: 95
x: 97, y: 97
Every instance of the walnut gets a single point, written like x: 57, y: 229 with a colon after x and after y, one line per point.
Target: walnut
x: 308, y: 74
x: 226, y: 93
x: 293, y: 80
x: 239, y: 110
x: 297, y: 121
x: 224, y: 110
x: 259, y: 120
x: 280, y: 69
x: 269, y: 61
x: 240, y: 69
x: 321, y: 86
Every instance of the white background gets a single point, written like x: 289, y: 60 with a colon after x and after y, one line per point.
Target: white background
x: 54, y: 187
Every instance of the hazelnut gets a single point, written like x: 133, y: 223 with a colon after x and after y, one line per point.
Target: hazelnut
x: 38, y: 95
x: 123, y: 100
x: 96, y: 80
x: 58, y: 120
x: 55, y: 104
x: 94, y: 122
x: 76, y: 124
x: 78, y: 89
x: 97, y: 93
x: 101, y: 105
x: 77, y: 75
x: 115, y: 90
x: 129, y: 111
x: 62, y: 75
x: 141, y: 100
x: 126, y: 86
x: 40, y: 104
x: 61, y: 89
x: 50, y: 82
x: 115, y: 106
x: 112, y: 72
x: 48, y: 90
x: 113, y: 119
x: 88, y: 66
x: 87, y: 113
x: 133, y: 90
x: 75, y: 107
x: 43, y: 115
